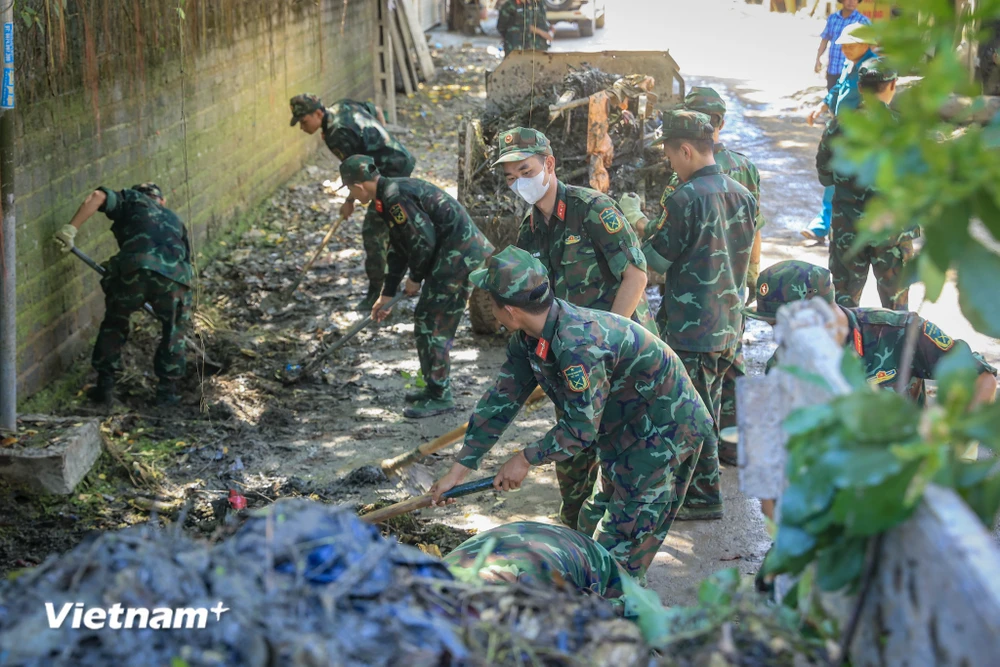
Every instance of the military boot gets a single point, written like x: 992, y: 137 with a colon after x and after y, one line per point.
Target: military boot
x: 416, y: 395
x: 166, y: 395
x: 699, y: 513
x: 433, y: 403
x: 366, y: 304
x: 103, y: 392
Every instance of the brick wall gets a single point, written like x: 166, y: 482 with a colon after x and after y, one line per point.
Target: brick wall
x: 105, y: 101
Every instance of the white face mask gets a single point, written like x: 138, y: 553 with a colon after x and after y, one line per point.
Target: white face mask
x: 531, y: 189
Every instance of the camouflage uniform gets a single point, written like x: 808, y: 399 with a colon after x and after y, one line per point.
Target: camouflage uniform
x: 431, y: 234
x: 850, y: 266
x: 703, y: 247
x: 153, y: 266
x: 877, y: 335
x: 585, y: 247
x: 352, y: 128
x: 621, y: 391
x: 539, y: 554
x: 514, y: 24
x: 742, y: 170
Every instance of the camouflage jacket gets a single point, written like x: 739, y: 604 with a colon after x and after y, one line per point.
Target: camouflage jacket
x: 149, y: 236
x: 877, y: 335
x: 540, y: 555
x: 735, y: 165
x: 352, y: 128
x: 846, y: 188
x: 429, y: 232
x: 514, y: 24
x: 615, y: 384
x: 703, y: 248
x: 585, y: 248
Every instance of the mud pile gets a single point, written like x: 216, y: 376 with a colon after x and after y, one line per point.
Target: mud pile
x: 303, y: 584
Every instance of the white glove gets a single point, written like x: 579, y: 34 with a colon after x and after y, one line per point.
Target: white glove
x: 64, y: 237
x: 631, y: 206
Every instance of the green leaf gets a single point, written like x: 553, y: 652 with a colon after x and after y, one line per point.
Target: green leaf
x: 956, y: 375
x: 979, y: 485
x: 180, y: 12
x: 793, y: 549
x: 719, y: 588
x: 945, y: 244
x: 841, y: 564
x: 880, y: 416
x: 867, y: 466
x: 982, y: 425
x: 804, y: 499
x: 853, y: 370
x: 810, y: 418
x: 931, y: 276
x: 978, y: 276
x: 806, y: 376
x: 867, y: 511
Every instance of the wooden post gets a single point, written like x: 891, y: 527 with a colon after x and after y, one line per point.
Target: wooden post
x: 382, y: 58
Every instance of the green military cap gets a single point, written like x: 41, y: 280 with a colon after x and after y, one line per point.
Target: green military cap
x: 875, y: 71
x: 358, y: 169
x: 514, y: 276
x: 149, y: 189
x: 684, y: 124
x: 705, y: 100
x: 304, y: 104
x: 788, y: 281
x: 521, y: 143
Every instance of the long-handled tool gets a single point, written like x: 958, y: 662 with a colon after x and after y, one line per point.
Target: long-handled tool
x: 276, y: 300
x: 295, y: 372
x: 424, y: 500
x: 210, y: 365
x: 419, y: 477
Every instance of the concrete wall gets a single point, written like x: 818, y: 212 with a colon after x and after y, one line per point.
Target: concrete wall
x: 117, y: 92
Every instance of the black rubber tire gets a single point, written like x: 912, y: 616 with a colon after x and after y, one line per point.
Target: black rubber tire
x: 586, y: 28
x: 481, y: 313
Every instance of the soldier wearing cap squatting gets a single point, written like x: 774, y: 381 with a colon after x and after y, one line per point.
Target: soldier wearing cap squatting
x: 849, y: 265
x: 738, y: 167
x: 876, y: 334
x: 153, y: 266
x: 355, y: 128
x: 591, y: 255
x: 431, y: 234
x: 703, y: 247
x: 621, y: 391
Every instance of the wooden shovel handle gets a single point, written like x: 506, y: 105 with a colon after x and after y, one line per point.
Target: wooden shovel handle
x: 326, y: 239
x: 422, y: 501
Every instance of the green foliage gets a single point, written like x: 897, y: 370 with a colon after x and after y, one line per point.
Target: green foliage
x: 414, y: 379
x: 928, y: 171
x: 859, y: 465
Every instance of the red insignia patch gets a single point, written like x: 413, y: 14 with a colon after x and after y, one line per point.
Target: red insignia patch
x: 561, y: 210
x: 542, y: 349
x: 378, y: 206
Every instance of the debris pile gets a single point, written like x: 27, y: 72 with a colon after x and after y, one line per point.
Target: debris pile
x: 302, y: 584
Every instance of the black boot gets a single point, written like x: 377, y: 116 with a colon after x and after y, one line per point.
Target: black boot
x: 103, y: 392
x: 366, y: 304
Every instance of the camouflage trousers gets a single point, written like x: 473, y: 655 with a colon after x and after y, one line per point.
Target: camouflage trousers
x: 632, y: 525
x: 435, y: 321
x: 375, y: 238
x: 576, y: 477
x: 124, y: 295
x: 727, y: 417
x: 707, y: 371
x: 850, y: 271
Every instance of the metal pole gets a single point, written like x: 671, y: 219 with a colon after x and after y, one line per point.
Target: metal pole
x: 8, y: 282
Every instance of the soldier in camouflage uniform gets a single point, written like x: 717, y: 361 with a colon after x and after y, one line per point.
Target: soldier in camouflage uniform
x: 153, y: 266
x: 620, y: 390
x: 703, y: 247
x: 877, y: 335
x: 539, y: 554
x: 433, y: 236
x: 849, y: 266
x: 354, y: 128
x: 738, y: 167
x: 524, y: 26
x: 591, y: 255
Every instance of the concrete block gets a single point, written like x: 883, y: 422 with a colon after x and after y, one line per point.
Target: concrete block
x: 57, y: 467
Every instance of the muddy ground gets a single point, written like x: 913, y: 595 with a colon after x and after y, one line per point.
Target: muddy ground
x: 246, y: 431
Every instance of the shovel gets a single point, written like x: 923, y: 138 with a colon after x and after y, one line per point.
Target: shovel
x: 295, y: 372
x: 422, y: 501
x: 419, y: 477
x: 210, y: 365
x: 277, y: 300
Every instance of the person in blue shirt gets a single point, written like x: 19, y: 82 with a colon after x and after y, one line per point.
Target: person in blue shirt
x: 835, y: 24
x: 843, y: 95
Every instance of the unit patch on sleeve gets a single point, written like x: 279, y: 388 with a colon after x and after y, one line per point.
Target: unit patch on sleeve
x: 398, y: 214
x: 576, y: 377
x: 937, y: 336
x: 882, y: 377
x: 612, y: 220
